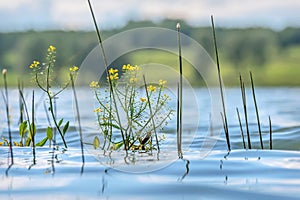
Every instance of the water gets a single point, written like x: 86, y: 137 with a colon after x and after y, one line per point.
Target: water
x: 206, y: 170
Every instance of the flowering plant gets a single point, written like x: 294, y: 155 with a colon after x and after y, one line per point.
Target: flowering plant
x: 130, y: 113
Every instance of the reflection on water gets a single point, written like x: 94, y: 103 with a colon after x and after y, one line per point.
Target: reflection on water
x: 257, y: 174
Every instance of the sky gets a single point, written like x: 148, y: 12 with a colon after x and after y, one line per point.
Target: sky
x: 19, y: 15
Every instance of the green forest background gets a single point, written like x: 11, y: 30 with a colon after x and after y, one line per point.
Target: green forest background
x: 272, y: 56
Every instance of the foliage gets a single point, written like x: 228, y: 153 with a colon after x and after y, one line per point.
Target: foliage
x: 130, y: 113
x: 240, y: 49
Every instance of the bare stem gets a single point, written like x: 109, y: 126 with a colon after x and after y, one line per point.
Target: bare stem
x: 151, y: 114
x: 78, y: 116
x: 179, y: 111
x: 245, y: 110
x: 112, y: 95
x: 256, y: 111
x: 271, y: 142
x: 4, y: 72
x: 241, y: 128
x: 221, y: 85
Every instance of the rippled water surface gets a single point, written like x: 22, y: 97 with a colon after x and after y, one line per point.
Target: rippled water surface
x: 207, y: 170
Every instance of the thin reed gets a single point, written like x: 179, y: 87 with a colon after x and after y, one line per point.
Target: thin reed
x: 151, y: 113
x: 241, y: 128
x: 270, y: 125
x: 6, y: 100
x: 112, y: 95
x: 221, y: 86
x: 256, y: 111
x: 72, y: 74
x: 179, y: 106
x: 245, y: 110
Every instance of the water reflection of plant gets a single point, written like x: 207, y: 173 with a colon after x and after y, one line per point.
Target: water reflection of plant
x: 144, y: 110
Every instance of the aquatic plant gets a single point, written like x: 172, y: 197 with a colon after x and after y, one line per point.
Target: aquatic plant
x: 144, y: 110
x: 224, y: 115
x: 43, y: 75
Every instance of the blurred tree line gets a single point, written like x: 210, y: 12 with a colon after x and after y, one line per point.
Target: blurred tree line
x: 239, y: 48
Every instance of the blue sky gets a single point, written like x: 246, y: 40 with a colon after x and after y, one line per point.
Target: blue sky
x: 19, y: 15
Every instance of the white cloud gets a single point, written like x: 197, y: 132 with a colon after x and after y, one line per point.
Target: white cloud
x: 74, y: 14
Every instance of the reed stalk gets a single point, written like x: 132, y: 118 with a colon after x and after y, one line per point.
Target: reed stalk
x: 241, y: 128
x: 112, y: 94
x: 179, y: 106
x: 256, y: 111
x: 221, y: 86
x: 6, y: 99
x: 21, y: 106
x: 245, y: 109
x: 271, y: 142
x: 33, y: 128
x: 151, y: 113
x: 78, y: 117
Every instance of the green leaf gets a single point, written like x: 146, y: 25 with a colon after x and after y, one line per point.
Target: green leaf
x: 49, y: 133
x: 60, y: 122
x: 118, y: 145
x: 96, y: 142
x: 109, y: 125
x: 23, y: 128
x: 42, y: 142
x: 28, y: 141
x: 66, y: 126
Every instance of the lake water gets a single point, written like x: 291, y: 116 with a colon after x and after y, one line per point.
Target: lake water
x: 207, y: 170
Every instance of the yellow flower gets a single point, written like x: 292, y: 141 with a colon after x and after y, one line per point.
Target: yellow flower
x: 143, y: 99
x: 129, y: 67
x: 112, y: 71
x: 94, y: 84
x: 162, y: 83
x: 133, y: 80
x: 51, y: 48
x: 1, y: 143
x: 97, y: 110
x: 35, y: 64
x: 151, y: 88
x: 74, y: 69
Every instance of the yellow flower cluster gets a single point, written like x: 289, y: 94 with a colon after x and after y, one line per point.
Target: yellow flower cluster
x: 94, y: 84
x: 151, y: 88
x: 51, y: 49
x: 74, y: 69
x: 133, y: 80
x: 35, y: 64
x: 162, y: 83
x: 129, y: 67
x: 113, y: 74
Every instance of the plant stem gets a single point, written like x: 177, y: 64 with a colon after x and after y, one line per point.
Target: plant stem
x: 256, y: 111
x: 151, y: 114
x: 78, y: 117
x: 221, y: 85
x: 179, y: 111
x: 245, y: 110
x: 270, y: 124
x: 4, y: 72
x: 33, y: 128
x: 241, y: 128
x: 112, y: 95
